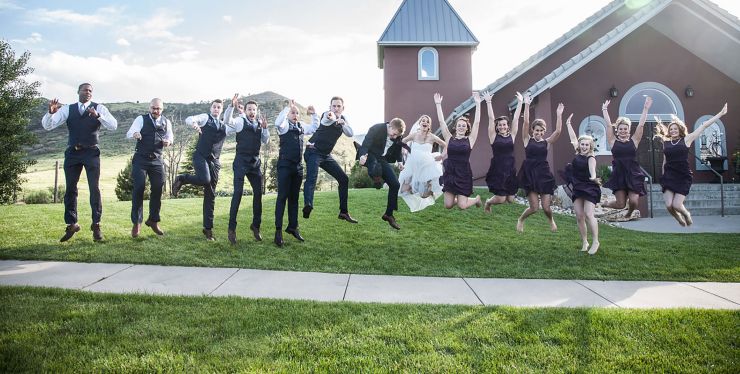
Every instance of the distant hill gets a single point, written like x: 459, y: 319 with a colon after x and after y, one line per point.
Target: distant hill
x: 51, y: 144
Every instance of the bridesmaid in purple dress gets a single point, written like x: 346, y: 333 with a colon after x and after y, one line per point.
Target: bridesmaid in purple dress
x: 535, y: 176
x: 627, y: 179
x: 458, y: 176
x: 586, y: 190
x: 501, y: 177
x: 676, y: 180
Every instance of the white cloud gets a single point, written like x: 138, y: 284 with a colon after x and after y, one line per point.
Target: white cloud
x: 65, y: 16
x: 8, y: 5
x: 123, y: 42
x: 227, y: 19
x: 33, y: 39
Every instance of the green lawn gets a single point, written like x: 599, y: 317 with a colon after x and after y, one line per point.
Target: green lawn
x: 434, y: 242
x: 46, y: 330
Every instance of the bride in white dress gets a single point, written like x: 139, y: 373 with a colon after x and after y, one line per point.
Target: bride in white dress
x: 420, y: 175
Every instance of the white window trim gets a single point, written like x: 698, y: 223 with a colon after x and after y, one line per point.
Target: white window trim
x: 435, y: 77
x: 650, y: 85
x: 599, y: 119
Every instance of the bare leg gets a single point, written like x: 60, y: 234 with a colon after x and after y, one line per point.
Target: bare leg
x: 588, y: 208
x: 678, y: 206
x: 633, y: 200
x: 668, y: 200
x: 546, y: 201
x: 449, y: 200
x: 494, y: 200
x: 464, y: 202
x: 534, y: 203
x: 581, y: 220
x: 620, y: 202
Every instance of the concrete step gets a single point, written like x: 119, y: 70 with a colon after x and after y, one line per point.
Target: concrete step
x: 660, y: 211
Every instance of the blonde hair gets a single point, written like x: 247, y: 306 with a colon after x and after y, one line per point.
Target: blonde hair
x: 467, y: 122
x: 538, y: 122
x: 661, y: 130
x: 591, y: 142
x: 429, y: 120
x: 622, y: 121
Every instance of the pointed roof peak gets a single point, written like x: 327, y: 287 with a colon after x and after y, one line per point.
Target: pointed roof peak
x: 425, y: 23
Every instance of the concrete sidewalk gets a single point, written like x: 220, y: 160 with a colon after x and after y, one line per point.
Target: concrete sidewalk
x: 176, y: 280
x: 668, y: 224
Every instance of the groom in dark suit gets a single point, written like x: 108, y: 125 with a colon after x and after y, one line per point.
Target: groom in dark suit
x: 382, y: 146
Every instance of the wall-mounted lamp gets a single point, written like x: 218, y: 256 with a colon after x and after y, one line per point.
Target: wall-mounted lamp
x: 689, y: 91
x: 613, y: 92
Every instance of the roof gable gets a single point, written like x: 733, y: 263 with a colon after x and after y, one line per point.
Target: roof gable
x: 425, y: 23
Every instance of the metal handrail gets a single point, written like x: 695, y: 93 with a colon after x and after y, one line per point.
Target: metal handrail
x: 721, y: 184
x: 650, y: 195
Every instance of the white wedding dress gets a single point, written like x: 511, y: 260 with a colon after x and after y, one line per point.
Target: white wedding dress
x: 422, y: 173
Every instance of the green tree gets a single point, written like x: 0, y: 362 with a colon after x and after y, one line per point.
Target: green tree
x: 190, y: 190
x: 17, y: 100
x: 125, y: 184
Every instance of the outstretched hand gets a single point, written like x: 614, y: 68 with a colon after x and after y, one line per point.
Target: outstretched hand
x: 235, y: 100
x: 476, y: 97
x: 263, y: 121
x: 567, y: 121
x: 723, y: 111
x: 527, y: 98
x: 54, y: 106
x: 519, y: 97
x: 560, y: 109
x: 438, y: 98
x: 648, y: 102
x: 487, y: 96
x: 605, y: 106
x: 310, y: 110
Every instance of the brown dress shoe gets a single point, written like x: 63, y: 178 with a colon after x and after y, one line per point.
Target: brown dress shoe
x: 209, y: 234
x: 97, y: 234
x: 154, y: 226
x: 135, y: 230
x: 347, y: 217
x: 296, y: 234
x: 69, y: 232
x: 232, y: 237
x: 278, y: 238
x: 256, y: 232
x: 391, y: 221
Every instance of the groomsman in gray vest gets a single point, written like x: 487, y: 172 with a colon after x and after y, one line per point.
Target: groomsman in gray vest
x: 251, y: 132
x: 83, y: 120
x: 206, y: 164
x: 152, y: 132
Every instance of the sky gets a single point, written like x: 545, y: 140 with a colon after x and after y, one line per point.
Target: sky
x: 192, y: 51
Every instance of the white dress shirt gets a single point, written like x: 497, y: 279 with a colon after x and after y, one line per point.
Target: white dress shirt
x: 235, y: 125
x: 52, y: 121
x: 161, y: 121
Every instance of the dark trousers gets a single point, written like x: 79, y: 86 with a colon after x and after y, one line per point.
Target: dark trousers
x: 141, y: 167
x: 251, y: 170
x: 381, y: 167
x: 206, y: 175
x: 290, y: 176
x: 74, y: 161
x: 314, y: 160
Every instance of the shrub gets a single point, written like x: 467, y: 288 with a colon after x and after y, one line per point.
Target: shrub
x: 60, y: 193
x: 38, y: 197
x: 358, y: 177
x: 125, y: 184
x: 603, y: 172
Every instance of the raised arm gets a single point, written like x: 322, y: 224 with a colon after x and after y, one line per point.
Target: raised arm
x: 514, y: 126
x: 476, y: 121
x: 558, y: 125
x: 692, y: 136
x: 441, y: 117
x: 610, y: 137
x: 439, y: 141
x: 525, y: 126
x: 409, y: 137
x: 637, y: 136
x: 572, y: 133
x: 488, y: 97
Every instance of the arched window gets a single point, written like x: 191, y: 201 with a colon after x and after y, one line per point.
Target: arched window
x: 596, y: 128
x: 428, y: 64
x: 711, y: 143
x: 665, y: 102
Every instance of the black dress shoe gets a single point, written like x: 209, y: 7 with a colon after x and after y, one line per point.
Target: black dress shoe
x: 296, y: 234
x: 278, y: 238
x: 256, y: 232
x: 69, y: 232
x: 176, y: 185
x: 154, y: 226
x: 209, y: 234
x: 347, y: 217
x: 391, y: 221
x: 97, y: 234
x: 232, y: 237
x: 307, y: 211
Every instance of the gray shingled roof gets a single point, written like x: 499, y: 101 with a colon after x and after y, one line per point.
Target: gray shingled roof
x: 425, y: 23
x: 589, y: 53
